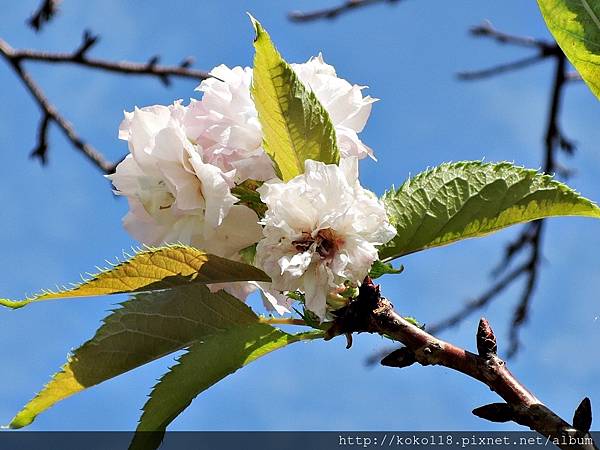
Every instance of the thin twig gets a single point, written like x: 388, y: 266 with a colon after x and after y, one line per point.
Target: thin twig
x: 486, y: 29
x: 554, y: 141
x: 372, y: 313
x: 500, y: 69
x: 49, y: 114
x: 545, y: 49
x: 44, y: 14
x: 530, y: 240
x: 79, y: 57
x: 40, y: 151
x: 333, y: 12
x: 480, y: 302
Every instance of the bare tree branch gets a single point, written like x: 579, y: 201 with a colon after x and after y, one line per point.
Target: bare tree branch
x: 530, y: 240
x: 500, y: 69
x: 79, y: 57
x: 334, y: 12
x: 486, y: 29
x: 372, y: 313
x: 545, y: 49
x: 49, y: 114
x: 44, y: 14
x: 40, y: 151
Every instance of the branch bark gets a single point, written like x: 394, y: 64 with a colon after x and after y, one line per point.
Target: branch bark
x: 79, y: 58
x: 333, y: 12
x: 49, y: 114
x: 372, y: 313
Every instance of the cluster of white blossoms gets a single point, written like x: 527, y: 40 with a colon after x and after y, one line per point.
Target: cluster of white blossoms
x: 321, y: 228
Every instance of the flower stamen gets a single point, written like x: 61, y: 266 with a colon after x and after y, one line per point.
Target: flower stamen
x: 326, y: 243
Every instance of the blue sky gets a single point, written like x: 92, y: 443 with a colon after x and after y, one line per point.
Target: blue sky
x: 62, y: 220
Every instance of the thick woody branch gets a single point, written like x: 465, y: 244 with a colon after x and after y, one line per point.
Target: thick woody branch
x: 334, y: 12
x: 372, y: 313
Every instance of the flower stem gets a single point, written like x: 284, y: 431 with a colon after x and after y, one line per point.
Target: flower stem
x: 282, y: 321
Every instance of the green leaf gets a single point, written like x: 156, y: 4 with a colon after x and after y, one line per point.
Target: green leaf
x: 146, y: 328
x: 379, y: 269
x: 151, y: 270
x: 248, y: 254
x: 207, y: 362
x: 575, y: 25
x: 295, y: 125
x: 471, y: 199
x: 247, y: 195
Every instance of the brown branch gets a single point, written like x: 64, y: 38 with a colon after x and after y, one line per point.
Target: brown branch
x: 372, y: 313
x: 51, y: 114
x: 334, y: 12
x: 545, y: 49
x: 40, y: 151
x: 15, y: 58
x: 486, y: 29
x: 471, y: 75
x: 44, y: 14
x: 79, y: 57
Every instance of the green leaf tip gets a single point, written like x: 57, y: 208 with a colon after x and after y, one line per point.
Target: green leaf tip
x: 575, y: 24
x: 468, y: 199
x: 255, y: 25
x: 152, y: 269
x: 295, y: 125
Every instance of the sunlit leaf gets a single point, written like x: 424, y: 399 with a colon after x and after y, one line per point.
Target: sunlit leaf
x: 145, y: 328
x: 295, y: 125
x: 575, y: 25
x: 150, y: 270
x: 464, y: 200
x: 207, y: 362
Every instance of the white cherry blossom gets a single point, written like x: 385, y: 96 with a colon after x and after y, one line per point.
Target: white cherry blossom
x: 321, y: 230
x: 348, y: 109
x: 225, y: 121
x: 174, y: 196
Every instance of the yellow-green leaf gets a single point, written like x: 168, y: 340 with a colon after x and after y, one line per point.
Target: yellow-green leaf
x: 295, y: 125
x: 575, y: 25
x: 469, y: 199
x: 145, y: 328
x: 207, y: 362
x: 153, y: 269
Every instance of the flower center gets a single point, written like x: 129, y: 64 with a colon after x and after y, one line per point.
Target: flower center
x: 326, y: 243
x: 157, y: 197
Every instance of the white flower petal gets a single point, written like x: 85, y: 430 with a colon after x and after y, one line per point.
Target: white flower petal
x: 320, y: 231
